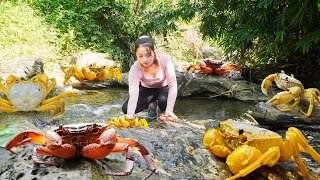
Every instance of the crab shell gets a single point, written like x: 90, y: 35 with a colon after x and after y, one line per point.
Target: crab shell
x: 238, y: 133
x: 284, y: 81
x: 26, y: 96
x: 79, y: 128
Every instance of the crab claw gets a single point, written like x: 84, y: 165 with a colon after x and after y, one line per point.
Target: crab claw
x: 267, y: 82
x: 24, y: 138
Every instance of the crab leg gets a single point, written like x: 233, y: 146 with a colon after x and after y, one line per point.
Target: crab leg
x: 118, y: 74
x: 144, y: 152
x: 54, y: 106
x: 123, y: 147
x: 65, y: 94
x: 284, y: 97
x: 303, y: 143
x: 311, y: 93
x: 292, y: 106
x: 73, y: 71
x: 292, y: 144
x: 3, y: 89
x: 6, y: 106
x: 53, y: 83
x: 41, y: 150
x: 5, y: 109
x: 310, y: 106
x: 24, y: 138
x: 5, y: 103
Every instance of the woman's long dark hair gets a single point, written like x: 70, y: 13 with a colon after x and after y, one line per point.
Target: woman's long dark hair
x: 147, y: 42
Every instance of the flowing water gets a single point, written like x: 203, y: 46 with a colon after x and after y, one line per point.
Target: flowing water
x: 102, y: 104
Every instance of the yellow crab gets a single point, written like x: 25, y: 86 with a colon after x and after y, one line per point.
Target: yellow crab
x: 30, y: 95
x: 93, y: 73
x: 127, y: 122
x: 248, y: 147
x: 293, y: 91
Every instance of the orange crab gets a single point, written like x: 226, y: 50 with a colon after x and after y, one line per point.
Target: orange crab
x: 249, y: 147
x: 208, y: 66
x: 93, y: 73
x: 90, y: 140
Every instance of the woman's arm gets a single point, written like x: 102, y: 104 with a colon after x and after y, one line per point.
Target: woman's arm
x: 172, y: 84
x: 134, y: 81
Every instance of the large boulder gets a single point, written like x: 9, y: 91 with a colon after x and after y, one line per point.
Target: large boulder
x: 22, y: 67
x: 209, y: 86
x: 219, y: 86
x: 87, y: 58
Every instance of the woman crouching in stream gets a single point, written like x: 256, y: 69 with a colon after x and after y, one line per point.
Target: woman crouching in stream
x: 152, y: 83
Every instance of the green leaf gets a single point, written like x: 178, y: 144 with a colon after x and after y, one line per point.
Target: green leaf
x: 9, y: 131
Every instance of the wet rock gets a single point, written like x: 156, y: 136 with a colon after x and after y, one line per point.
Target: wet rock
x: 219, y: 86
x: 266, y: 114
x: 176, y: 149
x: 209, y: 86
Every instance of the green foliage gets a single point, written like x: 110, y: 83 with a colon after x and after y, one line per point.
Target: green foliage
x: 65, y: 27
x: 260, y: 31
x: 78, y: 22
x: 23, y: 33
x: 105, y: 26
x: 8, y: 132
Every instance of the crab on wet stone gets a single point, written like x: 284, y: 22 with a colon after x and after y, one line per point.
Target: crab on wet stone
x: 293, y: 91
x: 90, y: 140
x: 31, y: 95
x: 249, y: 147
x: 93, y: 73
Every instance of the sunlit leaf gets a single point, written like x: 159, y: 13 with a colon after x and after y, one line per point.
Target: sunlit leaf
x: 9, y: 131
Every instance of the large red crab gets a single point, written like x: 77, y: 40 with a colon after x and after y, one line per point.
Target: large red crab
x: 219, y: 67
x: 90, y: 140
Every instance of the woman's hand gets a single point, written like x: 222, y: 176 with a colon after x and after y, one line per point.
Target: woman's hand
x: 129, y: 116
x: 168, y: 116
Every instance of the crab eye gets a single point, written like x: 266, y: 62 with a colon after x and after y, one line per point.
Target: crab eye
x: 94, y: 125
x: 240, y: 131
x: 60, y: 127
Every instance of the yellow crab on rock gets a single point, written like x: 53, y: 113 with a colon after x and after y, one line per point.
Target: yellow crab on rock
x: 31, y: 95
x: 293, y: 91
x: 93, y: 73
x: 249, y: 147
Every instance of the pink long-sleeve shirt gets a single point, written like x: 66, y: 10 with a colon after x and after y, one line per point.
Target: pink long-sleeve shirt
x: 169, y: 78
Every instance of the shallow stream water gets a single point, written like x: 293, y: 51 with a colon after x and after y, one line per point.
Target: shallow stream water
x: 102, y: 104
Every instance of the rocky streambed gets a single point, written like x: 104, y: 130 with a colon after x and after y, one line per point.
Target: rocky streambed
x: 176, y: 148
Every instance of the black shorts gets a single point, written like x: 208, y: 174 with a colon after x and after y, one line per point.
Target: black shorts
x: 147, y: 95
